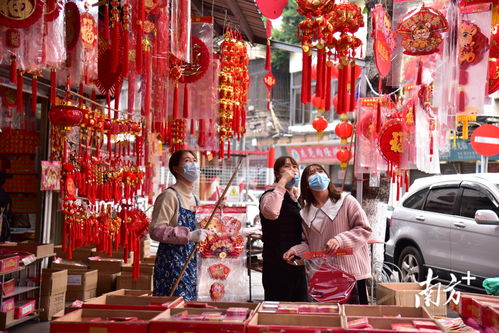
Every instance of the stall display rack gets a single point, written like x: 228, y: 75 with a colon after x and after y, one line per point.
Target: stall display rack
x: 24, y: 275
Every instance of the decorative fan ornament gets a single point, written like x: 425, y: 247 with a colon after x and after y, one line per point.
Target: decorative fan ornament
x: 421, y: 31
x: 200, y: 62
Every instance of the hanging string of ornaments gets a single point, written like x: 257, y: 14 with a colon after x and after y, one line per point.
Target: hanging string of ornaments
x: 330, y: 29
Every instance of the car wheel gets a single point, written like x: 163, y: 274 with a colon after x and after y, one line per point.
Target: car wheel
x: 411, y: 264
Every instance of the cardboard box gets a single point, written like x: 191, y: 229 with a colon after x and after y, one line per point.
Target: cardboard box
x: 54, y: 281
x: 145, y: 248
x: 149, y: 260
x: 106, y: 265
x: 146, y: 269
x: 381, y: 325
x: 70, y: 265
x: 302, y: 308
x: 479, y: 307
x: 52, y: 306
x: 82, y: 280
x: 81, y: 253
x: 293, y: 323
x: 6, y: 318
x: 9, y: 263
x: 468, y: 306
x: 106, y: 283
x: 490, y: 317
x: 8, y: 287
x: 24, y: 308
x: 130, y: 292
x: 217, y: 305
x: 126, y: 281
x: 81, y: 295
x: 384, y: 311
x: 165, y: 323
x: 146, y: 303
x: 87, y: 320
x: 405, y: 294
x: 39, y: 250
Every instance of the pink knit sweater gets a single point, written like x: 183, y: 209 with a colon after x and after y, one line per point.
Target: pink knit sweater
x: 346, y: 221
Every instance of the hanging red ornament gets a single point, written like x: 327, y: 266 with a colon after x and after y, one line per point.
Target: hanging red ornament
x: 343, y: 155
x: 271, y: 9
x: 65, y: 115
x: 421, y: 31
x: 73, y: 24
x: 344, y: 130
x: 320, y: 124
x: 20, y: 13
x: 391, y: 141
x: 472, y: 43
x: 493, y: 85
x: 270, y: 82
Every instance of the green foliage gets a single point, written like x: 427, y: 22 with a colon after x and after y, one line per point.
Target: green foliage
x: 286, y: 34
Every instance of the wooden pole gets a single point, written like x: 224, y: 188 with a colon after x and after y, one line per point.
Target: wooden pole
x: 219, y: 201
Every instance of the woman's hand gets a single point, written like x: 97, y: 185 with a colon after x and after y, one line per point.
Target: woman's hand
x: 332, y: 245
x: 286, y: 177
x: 288, y: 257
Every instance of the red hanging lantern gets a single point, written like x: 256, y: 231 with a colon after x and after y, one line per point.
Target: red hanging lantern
x: 320, y: 124
x: 343, y: 155
x: 65, y: 115
x: 344, y: 130
x: 391, y: 141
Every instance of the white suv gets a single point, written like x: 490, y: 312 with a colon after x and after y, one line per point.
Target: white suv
x: 449, y: 223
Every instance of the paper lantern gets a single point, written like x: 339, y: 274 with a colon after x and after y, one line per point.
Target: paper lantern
x: 343, y: 155
x: 320, y: 124
x: 344, y: 130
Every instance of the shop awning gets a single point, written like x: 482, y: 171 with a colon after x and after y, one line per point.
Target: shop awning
x: 241, y: 14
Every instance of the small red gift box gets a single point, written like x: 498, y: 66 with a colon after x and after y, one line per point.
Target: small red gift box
x: 25, y: 309
x: 8, y: 287
x: 8, y: 305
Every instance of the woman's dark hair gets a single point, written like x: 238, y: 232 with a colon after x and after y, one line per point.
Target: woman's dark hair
x: 306, y: 196
x: 279, y: 163
x: 175, y: 159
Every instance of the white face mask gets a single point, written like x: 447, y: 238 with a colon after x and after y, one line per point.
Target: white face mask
x: 191, y: 172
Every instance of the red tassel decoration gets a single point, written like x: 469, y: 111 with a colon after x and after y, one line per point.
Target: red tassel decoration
x: 268, y: 57
x: 131, y: 94
x: 419, y: 78
x: 34, y: 93
x: 105, y: 31
x: 328, y: 86
x: 13, y: 70
x: 185, y: 114
x: 347, y: 89
x: 147, y: 75
x: 318, y: 84
x: 117, y: 95
x: 53, y: 85
x: 407, y: 180
x: 306, y: 79
x: 126, y: 39
x: 115, y: 36
x: 19, y: 96
x: 175, y: 102
x: 202, y: 133
x: 352, y: 87
x: 341, y: 89
x: 378, y: 116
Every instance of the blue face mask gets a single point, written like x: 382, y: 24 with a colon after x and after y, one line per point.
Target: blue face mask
x: 294, y: 181
x: 191, y: 172
x: 318, y: 182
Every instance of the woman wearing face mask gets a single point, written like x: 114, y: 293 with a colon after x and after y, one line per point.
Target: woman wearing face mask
x: 281, y: 224
x: 333, y: 220
x: 173, y: 225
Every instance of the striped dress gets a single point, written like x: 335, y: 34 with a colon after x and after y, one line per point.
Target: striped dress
x: 344, y: 220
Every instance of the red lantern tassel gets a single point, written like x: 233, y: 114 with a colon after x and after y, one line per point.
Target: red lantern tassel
x: 352, y: 87
x: 34, y: 93
x: 398, y: 187
x: 328, y: 88
x: 131, y: 95
x: 185, y: 114
x: 175, y: 101
x: 13, y: 70
x: 407, y: 181
x: 19, y: 96
x: 115, y: 46
x: 305, y: 80
x: 53, y: 85
x: 117, y: 95
x: 126, y: 47
x: 419, y: 78
x: 318, y: 84
x: 378, y: 117
x: 347, y: 89
x: 268, y: 57
x: 341, y: 89
x: 105, y: 23
x: 138, y: 50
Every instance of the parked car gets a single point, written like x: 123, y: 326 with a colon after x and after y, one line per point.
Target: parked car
x: 448, y: 223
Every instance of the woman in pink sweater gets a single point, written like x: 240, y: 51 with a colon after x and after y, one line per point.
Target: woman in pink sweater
x: 333, y: 220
